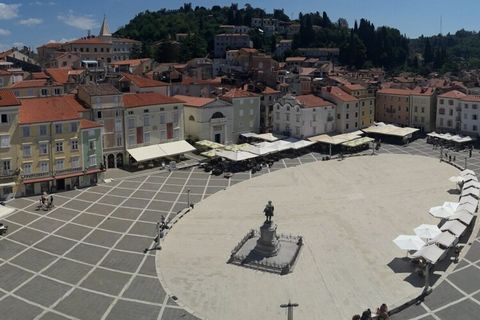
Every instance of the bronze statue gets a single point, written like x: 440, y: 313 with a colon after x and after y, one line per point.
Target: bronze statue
x: 268, y: 212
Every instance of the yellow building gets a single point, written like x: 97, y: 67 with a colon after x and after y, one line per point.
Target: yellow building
x: 366, y: 103
x: 49, y: 145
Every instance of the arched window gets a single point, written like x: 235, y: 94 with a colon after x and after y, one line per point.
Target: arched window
x: 191, y: 118
x: 217, y: 115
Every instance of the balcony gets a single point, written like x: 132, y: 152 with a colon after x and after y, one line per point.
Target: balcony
x: 36, y: 175
x: 67, y: 171
x: 7, y: 174
x: 330, y: 118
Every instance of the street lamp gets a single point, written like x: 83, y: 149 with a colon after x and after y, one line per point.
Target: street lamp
x: 289, y: 307
x: 188, y: 198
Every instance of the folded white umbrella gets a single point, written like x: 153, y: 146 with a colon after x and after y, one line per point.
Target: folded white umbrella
x: 456, y: 179
x: 445, y: 239
x: 441, y: 212
x: 469, y: 177
x: 455, y: 227
x: 467, y: 171
x: 464, y: 217
x: 408, y: 242
x: 427, y: 231
x: 431, y: 253
x: 472, y: 191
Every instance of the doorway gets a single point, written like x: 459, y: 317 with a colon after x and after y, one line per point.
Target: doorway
x: 218, y: 137
x: 60, y: 184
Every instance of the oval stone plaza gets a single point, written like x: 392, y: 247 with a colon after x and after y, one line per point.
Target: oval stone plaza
x: 348, y: 213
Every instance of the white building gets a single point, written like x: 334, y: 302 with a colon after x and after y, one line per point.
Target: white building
x: 208, y: 119
x: 303, y: 116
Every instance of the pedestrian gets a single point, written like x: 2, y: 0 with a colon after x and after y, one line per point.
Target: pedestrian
x: 470, y: 153
x: 50, y: 201
x: 454, y: 158
x: 450, y: 158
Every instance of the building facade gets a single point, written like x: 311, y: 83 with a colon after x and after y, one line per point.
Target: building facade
x: 226, y: 41
x: 208, y: 119
x: 347, y: 109
x: 366, y: 103
x: 303, y: 116
x: 393, y: 106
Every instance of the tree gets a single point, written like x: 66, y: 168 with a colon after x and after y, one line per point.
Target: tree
x: 427, y: 52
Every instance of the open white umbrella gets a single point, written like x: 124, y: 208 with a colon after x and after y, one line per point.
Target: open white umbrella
x: 440, y: 212
x: 471, y: 184
x: 468, y: 199
x: 450, y: 205
x: 431, y: 253
x: 463, y: 216
x: 456, y: 179
x: 409, y: 242
x: 427, y: 231
x: 470, y: 208
x: 469, y: 177
x: 455, y: 227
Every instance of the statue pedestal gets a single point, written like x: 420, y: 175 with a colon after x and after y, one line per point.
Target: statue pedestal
x: 268, y: 244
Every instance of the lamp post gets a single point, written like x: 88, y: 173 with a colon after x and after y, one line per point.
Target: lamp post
x: 188, y: 198
x: 465, y: 163
x: 289, y: 307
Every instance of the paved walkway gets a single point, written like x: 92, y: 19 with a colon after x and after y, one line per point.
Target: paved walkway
x: 84, y: 258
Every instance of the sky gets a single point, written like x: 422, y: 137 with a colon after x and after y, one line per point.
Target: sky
x: 35, y: 22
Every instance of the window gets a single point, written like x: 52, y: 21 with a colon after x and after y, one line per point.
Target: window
x: 240, y: 112
x: 466, y: 106
x: 59, y: 164
x: 43, y: 130
x: 176, y: 133
x: 465, y: 116
x: 346, y: 126
x: 314, y: 117
x: 338, y: 116
x: 44, y: 92
x: 423, y: 109
x: 99, y: 114
x: 146, y: 137
x: 416, y: 109
x: 59, y: 146
x: 277, y: 115
x: 287, y: 117
x: 441, y: 101
x: 43, y: 148
x: 474, y: 106
x: 57, y: 92
x: 91, y: 145
x: 474, y: 127
x: 43, y: 166
x: 251, y: 112
x: 474, y: 117
x: 73, y: 127
x: 348, y: 106
x: 450, y: 112
x: 347, y: 116
x: 119, y: 140
x: 27, y: 168
x: 163, y: 135
x: 27, y: 150
x: 4, y: 118
x: 191, y: 118
x: 58, y: 128
x: 162, y: 118
x: 450, y: 102
x: 74, y: 144
x: 26, y: 132
x: 92, y: 160
x: 175, y: 117
x: 131, y: 123
x: 356, y: 125
x: 441, y: 111
x: 146, y: 120
x: 131, y: 140
x: 75, y: 162
x: 4, y: 141
x: 118, y: 125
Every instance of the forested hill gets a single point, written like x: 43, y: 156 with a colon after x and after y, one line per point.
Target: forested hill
x: 361, y: 45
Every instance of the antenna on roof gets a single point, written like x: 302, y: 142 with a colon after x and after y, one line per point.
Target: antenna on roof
x: 441, y: 25
x: 88, y: 33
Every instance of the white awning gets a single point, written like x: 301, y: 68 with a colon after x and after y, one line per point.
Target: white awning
x: 235, y: 155
x: 302, y: 144
x: 7, y: 184
x: 390, y: 129
x: 160, y: 150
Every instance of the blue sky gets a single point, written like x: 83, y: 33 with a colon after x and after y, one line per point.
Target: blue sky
x: 34, y: 22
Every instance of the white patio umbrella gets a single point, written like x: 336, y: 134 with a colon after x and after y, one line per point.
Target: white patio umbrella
x: 463, y: 217
x: 468, y: 199
x: 456, y: 179
x: 427, y: 231
x: 409, y: 242
x: 455, y: 227
x: 445, y: 239
x: 431, y: 253
x: 471, y: 191
x: 450, y: 205
x: 470, y: 208
x: 469, y: 177
x: 441, y: 212
x: 471, y: 184
x: 467, y: 171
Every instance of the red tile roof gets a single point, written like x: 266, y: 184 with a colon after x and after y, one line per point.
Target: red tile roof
x: 238, y: 93
x: 142, y: 82
x: 471, y: 98
x: 131, y: 62
x: 269, y: 90
x: 189, y: 81
x: 454, y: 94
x: 312, y: 101
x: 393, y: 91
x: 52, y: 45
x: 93, y: 40
x: 39, y: 75
x: 88, y: 124
x: 295, y: 59
x: 33, y: 84
x: 423, y: 91
x: 133, y: 100
x: 194, y: 101
x: 59, y: 75
x: 338, y: 93
x: 38, y: 110
x: 7, y: 98
x: 355, y: 87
